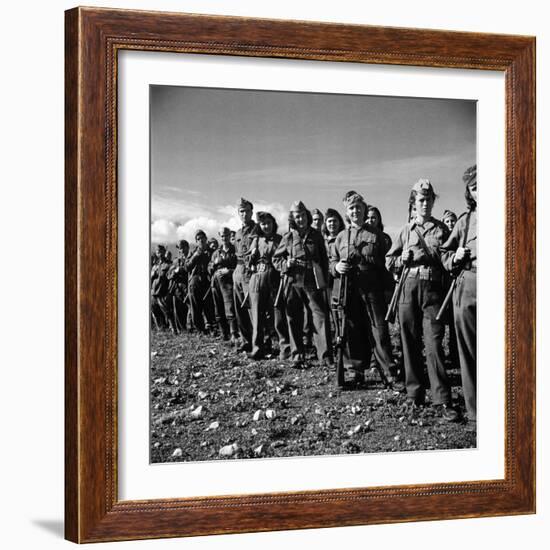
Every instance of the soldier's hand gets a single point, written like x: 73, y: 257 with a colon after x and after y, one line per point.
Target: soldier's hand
x: 291, y: 262
x: 342, y: 267
x: 461, y: 255
x: 407, y: 255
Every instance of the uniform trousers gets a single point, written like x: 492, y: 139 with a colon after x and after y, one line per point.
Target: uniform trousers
x: 178, y: 310
x: 263, y: 288
x: 240, y: 288
x: 419, y: 304
x: 162, y: 311
x: 198, y: 287
x: 465, y: 310
x: 222, y: 293
x: 378, y: 330
x: 316, y: 300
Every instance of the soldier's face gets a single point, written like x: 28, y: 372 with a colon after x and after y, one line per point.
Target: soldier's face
x: 160, y: 253
x: 184, y: 250
x: 232, y: 238
x: 245, y: 214
x: 473, y: 189
x: 317, y: 221
x: 333, y: 226
x: 201, y: 241
x: 300, y: 218
x: 372, y: 218
x: 225, y: 237
x: 450, y: 223
x: 356, y: 213
x: 424, y: 204
x: 266, y: 226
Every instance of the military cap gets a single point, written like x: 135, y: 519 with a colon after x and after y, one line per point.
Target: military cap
x: 316, y: 211
x: 448, y: 214
x: 423, y: 187
x: 161, y: 247
x: 224, y: 231
x: 353, y: 197
x: 470, y: 175
x: 243, y: 203
x: 200, y: 232
x: 298, y: 206
x: 263, y: 216
x: 182, y: 244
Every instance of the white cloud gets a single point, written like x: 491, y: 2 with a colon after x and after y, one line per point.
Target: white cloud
x: 210, y: 220
x: 163, y: 231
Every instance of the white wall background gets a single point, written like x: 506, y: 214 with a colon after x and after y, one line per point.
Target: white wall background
x: 31, y: 396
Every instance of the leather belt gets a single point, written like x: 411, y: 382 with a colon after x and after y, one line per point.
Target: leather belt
x: 425, y: 273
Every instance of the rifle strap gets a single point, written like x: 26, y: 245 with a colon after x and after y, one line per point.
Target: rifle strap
x: 425, y: 247
x: 465, y: 238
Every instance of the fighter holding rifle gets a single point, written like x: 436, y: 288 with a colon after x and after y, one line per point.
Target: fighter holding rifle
x: 357, y: 263
x: 459, y: 256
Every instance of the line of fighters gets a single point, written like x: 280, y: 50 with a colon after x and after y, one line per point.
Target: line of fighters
x: 335, y: 285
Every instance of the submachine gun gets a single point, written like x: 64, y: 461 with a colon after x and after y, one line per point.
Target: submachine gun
x: 339, y: 305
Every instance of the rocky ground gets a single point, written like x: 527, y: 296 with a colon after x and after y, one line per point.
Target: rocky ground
x: 209, y: 402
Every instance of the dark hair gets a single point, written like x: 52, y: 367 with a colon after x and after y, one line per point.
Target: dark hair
x: 261, y: 216
x: 332, y: 213
x: 292, y: 223
x: 470, y: 201
x: 377, y: 211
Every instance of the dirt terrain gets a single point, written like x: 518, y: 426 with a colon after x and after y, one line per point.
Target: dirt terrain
x: 209, y: 402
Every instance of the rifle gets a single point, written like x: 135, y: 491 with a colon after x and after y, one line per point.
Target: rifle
x: 282, y: 291
x: 339, y: 305
x: 392, y: 308
x: 246, y: 301
x: 449, y: 294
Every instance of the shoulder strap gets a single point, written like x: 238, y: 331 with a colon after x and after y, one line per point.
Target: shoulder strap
x: 465, y: 239
x: 425, y: 247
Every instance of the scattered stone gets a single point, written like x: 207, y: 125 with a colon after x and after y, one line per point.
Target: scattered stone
x: 355, y: 430
x: 293, y: 420
x: 179, y: 356
x: 154, y: 353
x: 213, y: 426
x: 369, y: 424
x: 277, y: 443
x: 228, y: 450
x: 159, y: 380
x: 270, y: 414
x: 156, y: 445
x: 177, y: 453
x: 258, y: 450
x: 294, y: 393
x: 202, y: 395
x: 397, y: 438
x: 196, y: 413
x: 197, y: 374
x: 254, y: 431
x: 401, y: 418
x: 257, y: 415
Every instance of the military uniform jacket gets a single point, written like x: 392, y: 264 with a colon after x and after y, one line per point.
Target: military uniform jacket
x: 456, y: 240
x: 243, y: 237
x: 310, y: 253
x: 223, y: 259
x: 363, y: 247
x: 263, y: 248
x: 159, y: 279
x: 434, y: 233
x: 197, y: 264
x: 177, y: 277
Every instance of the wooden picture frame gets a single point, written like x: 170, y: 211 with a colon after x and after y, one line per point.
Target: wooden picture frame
x: 93, y: 39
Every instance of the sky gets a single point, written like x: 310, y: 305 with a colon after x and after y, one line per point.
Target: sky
x: 209, y: 147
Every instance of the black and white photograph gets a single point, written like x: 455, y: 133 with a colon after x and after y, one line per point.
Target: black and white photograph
x: 313, y: 274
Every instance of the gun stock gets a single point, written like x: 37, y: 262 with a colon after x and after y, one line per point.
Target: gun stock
x: 445, y: 303
x: 392, y: 309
